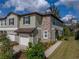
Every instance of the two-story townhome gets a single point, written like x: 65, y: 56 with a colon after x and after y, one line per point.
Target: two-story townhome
x: 9, y: 24
x: 31, y: 27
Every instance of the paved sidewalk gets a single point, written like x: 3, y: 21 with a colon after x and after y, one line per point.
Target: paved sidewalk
x: 49, y: 51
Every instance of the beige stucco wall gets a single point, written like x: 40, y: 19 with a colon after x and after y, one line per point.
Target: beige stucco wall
x: 9, y: 28
x: 7, y: 22
x: 31, y: 25
x: 38, y: 20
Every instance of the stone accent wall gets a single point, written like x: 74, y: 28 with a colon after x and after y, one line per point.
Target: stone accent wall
x: 47, y: 25
x: 53, y: 35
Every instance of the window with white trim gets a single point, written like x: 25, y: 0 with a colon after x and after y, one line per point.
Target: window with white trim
x: 5, y: 22
x: 26, y: 20
x: 45, y: 34
x: 11, y: 21
x: 1, y: 22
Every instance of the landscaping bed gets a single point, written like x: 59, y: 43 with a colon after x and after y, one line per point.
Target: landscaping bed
x: 48, y: 44
x: 20, y: 55
x: 13, y: 43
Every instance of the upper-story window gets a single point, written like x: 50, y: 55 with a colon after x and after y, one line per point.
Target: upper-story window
x: 56, y: 22
x: 11, y: 21
x: 1, y: 22
x: 5, y: 22
x: 26, y: 20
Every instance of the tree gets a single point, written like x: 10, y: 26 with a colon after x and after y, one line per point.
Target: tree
x: 54, y: 10
x: 66, y: 31
x: 5, y: 49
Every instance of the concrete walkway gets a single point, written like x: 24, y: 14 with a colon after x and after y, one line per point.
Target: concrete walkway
x: 49, y: 51
x: 18, y: 48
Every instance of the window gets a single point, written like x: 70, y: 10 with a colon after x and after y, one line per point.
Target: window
x: 45, y: 34
x: 1, y: 22
x: 26, y: 20
x: 5, y: 32
x: 56, y: 22
x: 1, y: 31
x: 5, y: 22
x: 11, y: 21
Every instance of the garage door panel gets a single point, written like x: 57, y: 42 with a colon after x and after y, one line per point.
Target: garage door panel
x: 11, y: 37
x: 24, y: 41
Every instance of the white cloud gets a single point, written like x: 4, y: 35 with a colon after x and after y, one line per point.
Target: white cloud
x: 31, y: 5
x: 67, y: 2
x: 68, y: 17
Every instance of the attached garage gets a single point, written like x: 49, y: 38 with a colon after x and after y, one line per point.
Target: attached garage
x: 11, y: 37
x: 25, y: 35
x: 24, y: 41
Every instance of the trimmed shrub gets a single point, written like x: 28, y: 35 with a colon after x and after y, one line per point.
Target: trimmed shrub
x: 30, y: 44
x: 47, y: 44
x: 60, y: 37
x: 66, y: 38
x: 36, y: 52
x: 77, y: 35
x: 6, y: 50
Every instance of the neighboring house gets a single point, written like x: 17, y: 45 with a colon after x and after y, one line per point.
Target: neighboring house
x: 31, y: 27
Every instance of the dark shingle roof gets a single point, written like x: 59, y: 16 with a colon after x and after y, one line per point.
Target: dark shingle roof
x: 33, y: 13
x: 25, y: 30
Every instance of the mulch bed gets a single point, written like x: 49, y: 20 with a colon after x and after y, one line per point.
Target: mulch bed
x: 19, y: 55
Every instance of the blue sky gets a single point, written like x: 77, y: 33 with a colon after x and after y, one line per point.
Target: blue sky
x: 65, y: 7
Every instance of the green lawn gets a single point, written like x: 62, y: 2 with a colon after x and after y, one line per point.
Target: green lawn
x: 68, y: 50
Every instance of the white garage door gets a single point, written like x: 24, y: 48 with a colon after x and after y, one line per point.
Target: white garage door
x: 24, y: 41
x: 11, y: 37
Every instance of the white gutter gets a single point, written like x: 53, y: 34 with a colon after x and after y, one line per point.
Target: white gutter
x: 8, y: 29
